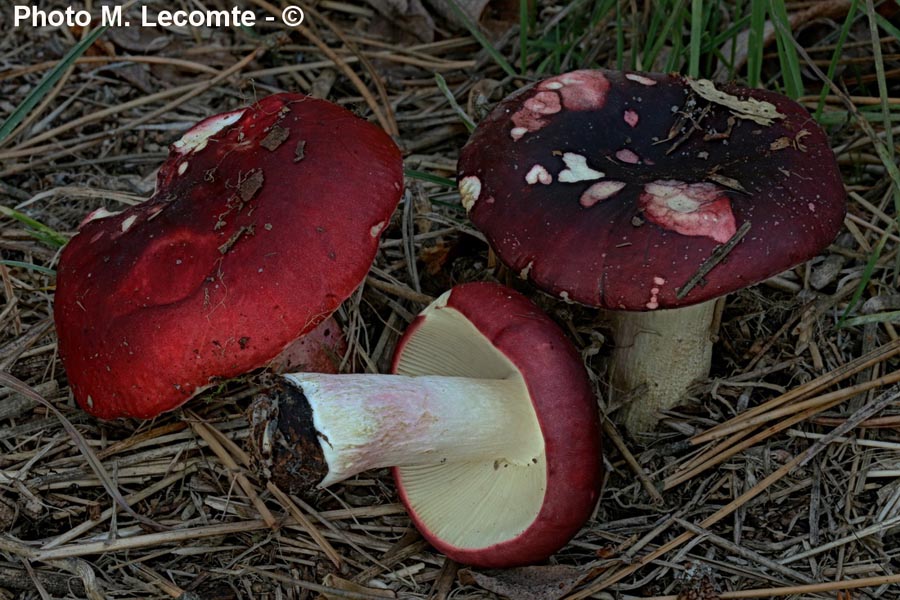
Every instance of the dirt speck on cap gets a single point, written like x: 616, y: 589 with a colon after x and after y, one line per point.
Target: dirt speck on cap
x: 275, y: 138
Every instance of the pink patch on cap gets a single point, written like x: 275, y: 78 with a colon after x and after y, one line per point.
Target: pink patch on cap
x: 631, y: 117
x: 600, y: 191
x: 654, y: 293
x: 580, y: 90
x: 532, y: 116
x: 543, y: 103
x: 695, y: 209
x: 627, y: 156
x: 654, y: 299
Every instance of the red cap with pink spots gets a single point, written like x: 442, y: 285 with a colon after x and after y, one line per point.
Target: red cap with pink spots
x: 613, y: 189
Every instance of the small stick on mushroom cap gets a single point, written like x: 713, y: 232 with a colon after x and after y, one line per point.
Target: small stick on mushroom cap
x: 489, y: 419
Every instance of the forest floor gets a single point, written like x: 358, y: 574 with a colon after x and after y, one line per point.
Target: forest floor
x: 798, y: 492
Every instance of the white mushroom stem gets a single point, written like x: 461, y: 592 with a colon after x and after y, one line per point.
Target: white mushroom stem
x: 658, y: 356
x: 374, y: 421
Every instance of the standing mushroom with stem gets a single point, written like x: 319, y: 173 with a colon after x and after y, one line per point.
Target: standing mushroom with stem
x: 650, y: 196
x: 489, y: 419
x: 263, y: 221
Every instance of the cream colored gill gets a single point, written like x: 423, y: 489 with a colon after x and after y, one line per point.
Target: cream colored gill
x: 477, y: 503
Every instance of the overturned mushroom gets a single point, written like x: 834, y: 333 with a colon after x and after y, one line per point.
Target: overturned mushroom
x: 264, y: 220
x: 651, y: 195
x: 489, y: 419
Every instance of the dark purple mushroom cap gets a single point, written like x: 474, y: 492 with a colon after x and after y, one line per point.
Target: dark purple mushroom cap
x: 613, y: 189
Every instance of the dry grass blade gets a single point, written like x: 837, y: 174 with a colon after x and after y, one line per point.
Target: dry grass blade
x: 326, y: 591
x: 616, y: 438
x: 385, y: 123
x: 82, y: 445
x: 748, y: 418
x: 784, y: 418
x: 203, y: 430
x: 173, y: 536
x: 298, y: 515
x: 795, y: 590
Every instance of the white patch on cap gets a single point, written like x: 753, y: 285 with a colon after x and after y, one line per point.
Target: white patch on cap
x: 377, y: 229
x: 640, y: 79
x: 538, y: 174
x: 600, y: 191
x: 577, y: 169
x: 811, y: 207
x: 517, y: 132
x: 197, y: 137
x: 182, y: 168
x: 90, y: 401
x: 553, y: 85
x: 469, y: 191
x: 682, y: 203
x: 100, y: 213
x: 127, y: 223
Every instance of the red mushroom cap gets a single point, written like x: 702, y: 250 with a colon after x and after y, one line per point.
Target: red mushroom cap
x: 264, y: 220
x: 612, y: 189
x: 563, y: 403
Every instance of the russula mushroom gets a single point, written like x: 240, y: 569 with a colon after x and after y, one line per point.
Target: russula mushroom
x: 489, y: 419
x: 319, y: 350
x: 263, y: 221
x: 651, y: 195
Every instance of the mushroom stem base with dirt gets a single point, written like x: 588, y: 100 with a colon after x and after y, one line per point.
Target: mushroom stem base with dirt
x: 658, y: 355
x: 314, y: 430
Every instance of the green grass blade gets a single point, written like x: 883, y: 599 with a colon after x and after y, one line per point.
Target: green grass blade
x: 38, y: 230
x: 881, y: 78
x: 865, y: 278
x: 838, y: 51
x: 47, y: 82
x: 886, y: 25
x: 620, y: 38
x: 696, y: 38
x: 892, y: 316
x: 451, y: 99
x: 423, y: 176
x: 648, y: 60
x: 787, y: 54
x: 28, y: 266
x: 524, y: 22
x: 755, y: 42
x: 478, y: 35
